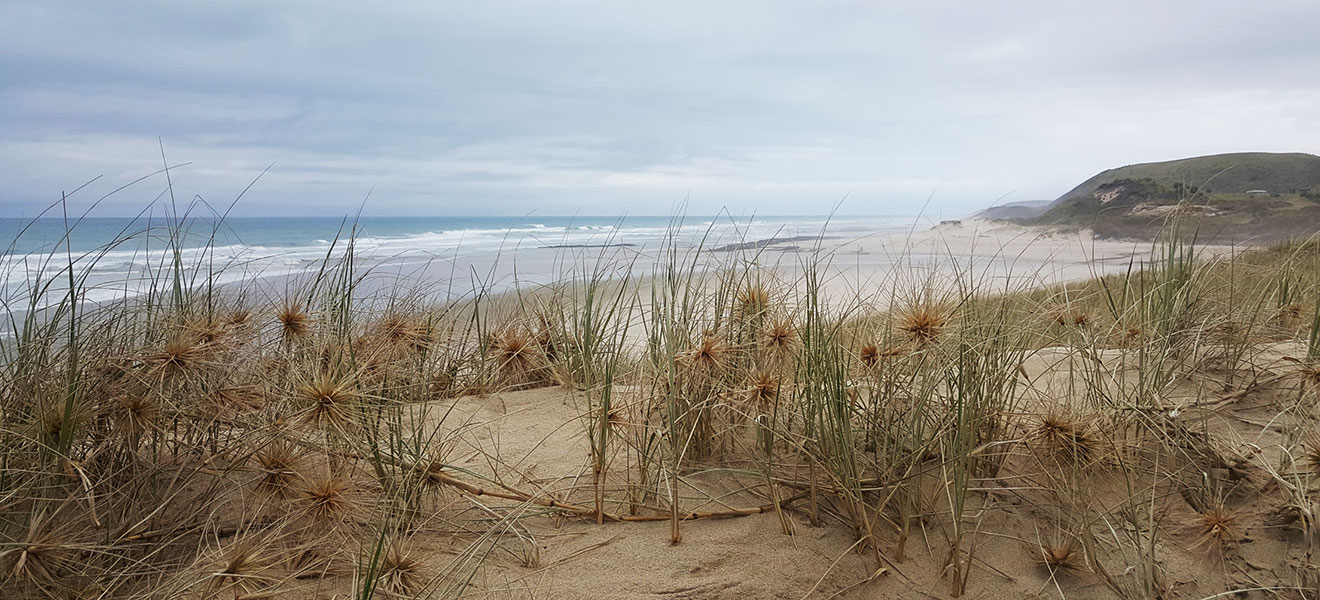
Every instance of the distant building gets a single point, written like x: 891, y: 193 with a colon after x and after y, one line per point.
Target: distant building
x: 1258, y: 192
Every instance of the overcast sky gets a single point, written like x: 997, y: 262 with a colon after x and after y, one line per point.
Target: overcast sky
x: 449, y: 108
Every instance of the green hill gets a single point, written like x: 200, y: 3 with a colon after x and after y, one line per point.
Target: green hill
x: 1234, y: 173
x: 1244, y: 197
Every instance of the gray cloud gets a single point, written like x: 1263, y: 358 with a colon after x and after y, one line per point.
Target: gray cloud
x: 442, y: 108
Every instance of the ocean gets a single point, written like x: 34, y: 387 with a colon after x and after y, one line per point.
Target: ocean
x: 119, y: 257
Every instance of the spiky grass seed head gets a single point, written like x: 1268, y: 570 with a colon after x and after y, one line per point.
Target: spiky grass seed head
x: 764, y: 387
x: 206, y: 330
x: 42, y: 556
x: 329, y: 400
x: 52, y: 418
x: 135, y: 414
x: 400, y: 571
x: 232, y: 400
x: 294, y: 323
x: 1310, y: 373
x: 325, y: 498
x: 181, y: 355
x: 278, y: 463
x: 241, y: 562
x: 1311, y: 453
x: 1218, y: 526
x: 514, y: 350
x: 754, y: 299
x: 1072, y: 318
x: 402, y: 331
x: 872, y: 354
x: 710, y: 356
x: 238, y: 318
x: 1065, y: 436
x: 779, y: 336
x: 431, y: 471
x: 924, y: 322
x: 1059, y: 555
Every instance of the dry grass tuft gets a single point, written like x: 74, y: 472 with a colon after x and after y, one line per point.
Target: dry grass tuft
x: 1072, y: 318
x: 329, y: 399
x: 242, y: 563
x: 1310, y: 374
x: 1059, y: 555
x: 1311, y: 454
x: 872, y: 354
x: 515, y: 350
x: 403, y: 331
x: 180, y: 355
x: 924, y: 322
x: 764, y: 388
x: 135, y: 414
x: 325, y: 498
x: 41, y: 557
x: 1218, y: 526
x: 710, y: 356
x: 754, y: 299
x: 400, y: 571
x: 238, y: 318
x: 1066, y: 437
x: 780, y: 336
x: 294, y: 323
x: 279, y: 464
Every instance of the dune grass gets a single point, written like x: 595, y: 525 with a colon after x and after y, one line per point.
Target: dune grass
x: 200, y: 440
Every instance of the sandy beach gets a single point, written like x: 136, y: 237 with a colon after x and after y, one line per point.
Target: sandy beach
x: 868, y: 264
x: 538, y: 439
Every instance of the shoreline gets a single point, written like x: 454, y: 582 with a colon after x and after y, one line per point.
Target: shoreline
x: 860, y: 264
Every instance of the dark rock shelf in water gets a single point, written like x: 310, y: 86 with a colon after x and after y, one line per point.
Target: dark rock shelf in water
x: 770, y: 242
x: 565, y: 246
